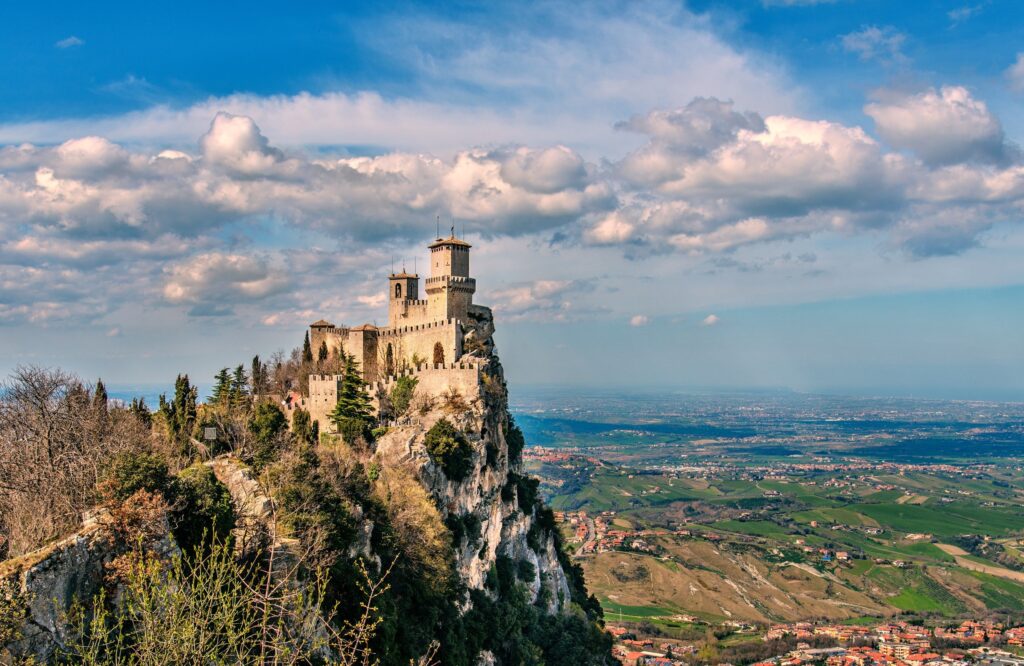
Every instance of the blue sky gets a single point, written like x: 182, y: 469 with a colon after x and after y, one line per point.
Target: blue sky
x: 814, y: 195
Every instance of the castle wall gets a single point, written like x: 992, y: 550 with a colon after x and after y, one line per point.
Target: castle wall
x: 409, y: 341
x: 435, y: 381
x: 323, y: 397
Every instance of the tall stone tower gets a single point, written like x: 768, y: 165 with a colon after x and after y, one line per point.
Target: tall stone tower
x: 449, y: 288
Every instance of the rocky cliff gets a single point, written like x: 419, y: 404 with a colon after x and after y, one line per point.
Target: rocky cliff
x: 489, y: 495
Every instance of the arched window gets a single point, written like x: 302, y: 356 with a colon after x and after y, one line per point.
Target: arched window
x: 389, y: 360
x: 438, y: 354
x: 398, y: 290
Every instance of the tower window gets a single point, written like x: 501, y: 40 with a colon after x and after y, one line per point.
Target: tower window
x: 398, y: 290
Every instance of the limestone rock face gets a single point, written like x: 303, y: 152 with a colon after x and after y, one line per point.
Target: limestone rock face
x: 504, y: 526
x: 48, y: 581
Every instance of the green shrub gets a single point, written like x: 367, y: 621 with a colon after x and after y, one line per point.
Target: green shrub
x: 203, y: 512
x: 402, y: 393
x: 526, y: 491
x: 355, y: 431
x: 267, y: 425
x: 466, y: 525
x: 132, y: 472
x: 514, y: 439
x: 448, y: 448
x: 526, y: 571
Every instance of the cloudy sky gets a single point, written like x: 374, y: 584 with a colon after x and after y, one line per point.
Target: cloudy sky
x: 825, y: 196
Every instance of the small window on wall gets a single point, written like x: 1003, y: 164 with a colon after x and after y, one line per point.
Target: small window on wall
x: 438, y: 354
x: 398, y: 290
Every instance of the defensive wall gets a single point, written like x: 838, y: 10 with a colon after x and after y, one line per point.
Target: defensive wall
x: 435, y: 380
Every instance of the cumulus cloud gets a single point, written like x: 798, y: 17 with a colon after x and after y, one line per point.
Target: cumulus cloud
x: 639, y: 320
x: 941, y: 126
x: 710, y: 320
x: 884, y: 44
x: 213, y: 283
x: 1015, y: 74
x: 711, y: 178
x: 92, y: 188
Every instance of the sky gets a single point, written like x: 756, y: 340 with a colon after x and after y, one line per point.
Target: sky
x: 809, y: 195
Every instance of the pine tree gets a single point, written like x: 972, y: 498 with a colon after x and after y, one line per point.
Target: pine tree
x: 221, y: 388
x: 321, y: 355
x: 307, y: 351
x: 353, y: 398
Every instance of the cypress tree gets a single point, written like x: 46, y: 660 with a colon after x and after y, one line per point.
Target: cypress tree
x: 99, y: 396
x: 321, y: 355
x: 307, y: 351
x: 304, y: 427
x: 180, y: 413
x: 258, y: 376
x: 140, y: 410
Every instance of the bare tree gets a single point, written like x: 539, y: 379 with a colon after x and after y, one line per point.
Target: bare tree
x: 55, y: 443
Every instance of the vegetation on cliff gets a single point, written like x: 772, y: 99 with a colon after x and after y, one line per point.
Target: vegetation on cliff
x: 364, y: 547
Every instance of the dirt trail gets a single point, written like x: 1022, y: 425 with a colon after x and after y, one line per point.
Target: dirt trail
x: 958, y: 554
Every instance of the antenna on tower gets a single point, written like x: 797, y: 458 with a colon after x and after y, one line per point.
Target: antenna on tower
x: 414, y: 269
x: 392, y: 264
x: 438, y: 227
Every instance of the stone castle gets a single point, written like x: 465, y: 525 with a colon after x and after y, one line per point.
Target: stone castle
x: 424, y: 337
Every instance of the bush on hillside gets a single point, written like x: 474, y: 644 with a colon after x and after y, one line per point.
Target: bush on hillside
x: 449, y: 448
x: 132, y: 472
x: 355, y: 432
x: 203, y: 512
x: 402, y: 394
x: 267, y: 425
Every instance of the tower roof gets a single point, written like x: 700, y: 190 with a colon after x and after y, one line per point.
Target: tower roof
x: 451, y: 240
x: 403, y: 274
x: 323, y: 323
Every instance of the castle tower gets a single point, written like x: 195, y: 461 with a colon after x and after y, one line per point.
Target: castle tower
x: 403, y: 290
x: 449, y: 288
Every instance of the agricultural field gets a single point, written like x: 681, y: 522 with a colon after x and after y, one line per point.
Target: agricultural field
x: 792, y: 512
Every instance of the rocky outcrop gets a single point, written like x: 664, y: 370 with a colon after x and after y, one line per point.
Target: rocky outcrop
x: 46, y: 583
x: 483, y: 497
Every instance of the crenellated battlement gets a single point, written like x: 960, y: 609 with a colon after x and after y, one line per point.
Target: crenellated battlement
x: 402, y: 330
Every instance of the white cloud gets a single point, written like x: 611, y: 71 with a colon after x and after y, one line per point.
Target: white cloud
x: 942, y: 127
x: 961, y: 14
x: 1015, y: 74
x: 710, y: 320
x: 550, y: 300
x: 883, y: 44
x: 639, y: 320
x: 214, y: 283
x: 69, y: 42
